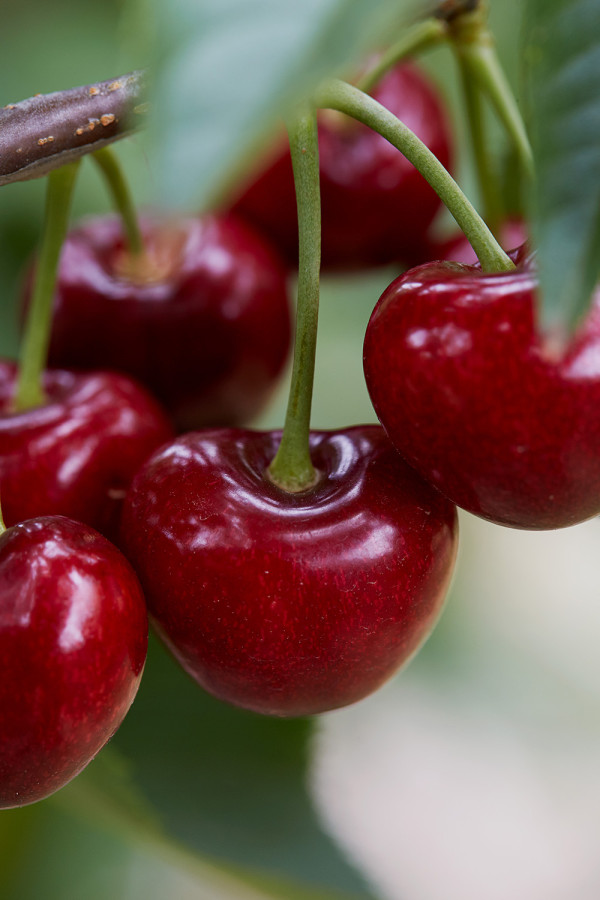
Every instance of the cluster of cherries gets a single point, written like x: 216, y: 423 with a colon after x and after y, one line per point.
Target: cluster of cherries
x: 282, y: 602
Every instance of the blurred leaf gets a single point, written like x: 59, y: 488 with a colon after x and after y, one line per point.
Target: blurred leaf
x: 562, y: 41
x: 106, y: 796
x: 229, y: 68
x: 229, y: 784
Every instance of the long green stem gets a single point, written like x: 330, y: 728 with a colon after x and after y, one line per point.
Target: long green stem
x: 34, y: 350
x: 343, y: 97
x: 110, y: 167
x: 487, y: 177
x: 482, y: 64
x: 292, y: 467
x: 415, y: 40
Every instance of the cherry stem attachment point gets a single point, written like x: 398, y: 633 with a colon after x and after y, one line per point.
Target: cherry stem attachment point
x: 110, y: 167
x: 420, y: 37
x: 339, y: 95
x: 34, y: 350
x: 292, y: 467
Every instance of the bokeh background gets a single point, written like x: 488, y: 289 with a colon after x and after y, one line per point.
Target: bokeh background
x: 474, y: 774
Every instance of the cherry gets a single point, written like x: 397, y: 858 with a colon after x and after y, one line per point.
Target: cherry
x: 376, y: 208
x: 76, y: 455
x: 73, y: 636
x: 499, y: 416
x: 202, y: 319
x: 289, y: 604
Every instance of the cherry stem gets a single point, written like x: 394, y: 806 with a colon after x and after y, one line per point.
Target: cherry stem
x: 343, y: 97
x: 2, y: 525
x: 34, y: 351
x: 475, y: 47
x: 112, y: 170
x: 415, y: 40
x: 487, y: 176
x: 292, y: 467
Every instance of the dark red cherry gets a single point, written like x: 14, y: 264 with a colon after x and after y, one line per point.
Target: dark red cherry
x: 376, y: 208
x: 499, y: 416
x: 76, y: 455
x: 203, y: 320
x: 73, y: 636
x: 289, y: 604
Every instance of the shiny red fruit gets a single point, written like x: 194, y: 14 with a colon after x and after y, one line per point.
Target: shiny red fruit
x: 376, y: 208
x: 499, y: 416
x: 76, y: 455
x: 203, y: 321
x: 73, y: 636
x: 289, y: 604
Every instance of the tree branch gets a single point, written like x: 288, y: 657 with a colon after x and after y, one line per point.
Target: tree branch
x: 48, y: 131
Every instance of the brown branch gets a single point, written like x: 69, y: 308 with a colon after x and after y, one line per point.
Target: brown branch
x: 49, y: 130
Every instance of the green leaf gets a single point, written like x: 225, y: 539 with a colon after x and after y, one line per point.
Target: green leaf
x: 230, y: 68
x: 105, y: 796
x: 562, y: 61
x: 228, y: 783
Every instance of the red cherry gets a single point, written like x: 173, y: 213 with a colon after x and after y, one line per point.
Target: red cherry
x: 376, y: 208
x: 289, y: 604
x: 501, y: 418
x: 73, y: 636
x: 76, y: 455
x: 203, y: 320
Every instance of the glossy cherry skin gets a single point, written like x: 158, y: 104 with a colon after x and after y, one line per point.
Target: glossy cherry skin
x: 73, y: 637
x: 498, y: 416
x: 205, y: 324
x: 376, y: 208
x: 76, y: 455
x: 289, y: 604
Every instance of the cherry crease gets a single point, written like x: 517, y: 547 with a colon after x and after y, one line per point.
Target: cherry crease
x: 73, y: 637
x: 76, y: 455
x: 203, y: 321
x: 498, y: 416
x: 289, y: 604
x: 376, y: 207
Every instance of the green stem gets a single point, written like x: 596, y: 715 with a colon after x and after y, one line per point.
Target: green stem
x: 110, y: 167
x: 292, y: 467
x: 482, y: 65
x: 415, y: 40
x: 486, y: 175
x: 34, y: 350
x: 2, y: 525
x: 343, y: 97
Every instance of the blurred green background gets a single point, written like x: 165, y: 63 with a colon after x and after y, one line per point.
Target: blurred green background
x: 353, y: 805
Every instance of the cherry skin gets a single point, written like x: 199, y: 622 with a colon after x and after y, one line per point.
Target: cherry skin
x: 76, y: 455
x: 376, y: 207
x: 73, y: 637
x: 289, y: 604
x: 203, y: 320
x: 498, y: 416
